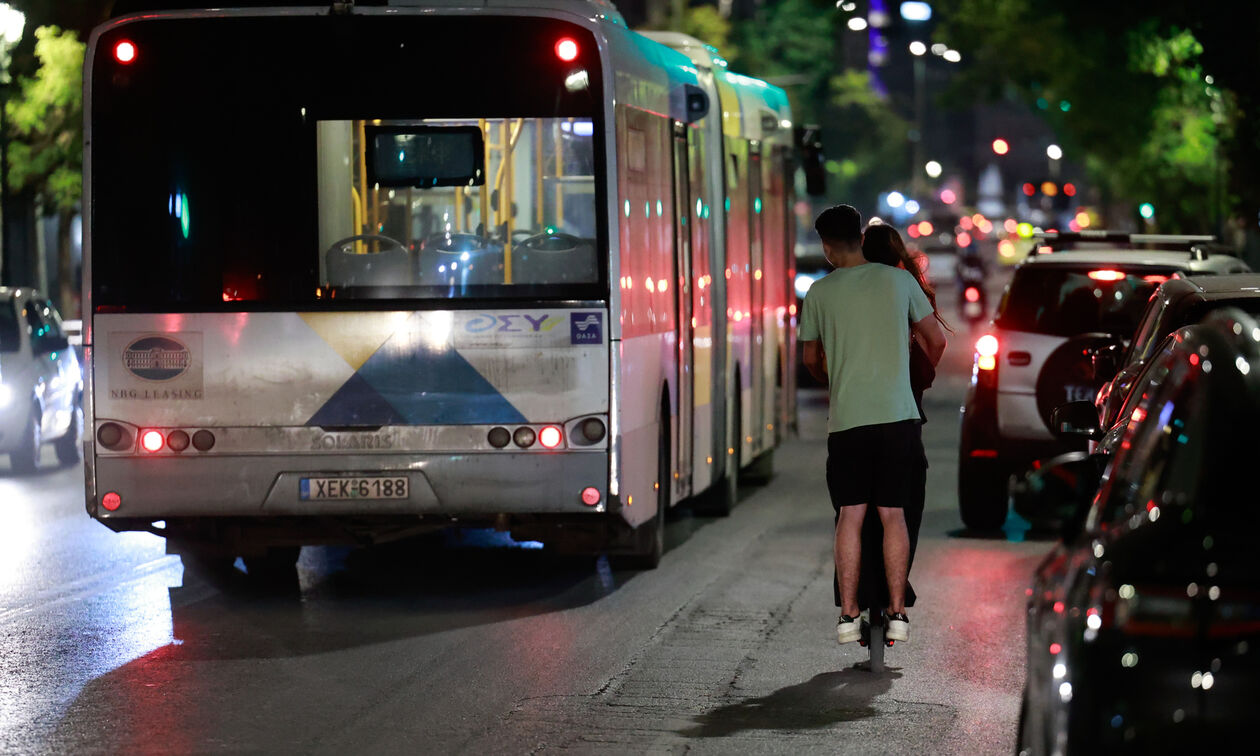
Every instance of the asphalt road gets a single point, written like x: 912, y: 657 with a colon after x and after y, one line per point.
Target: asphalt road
x: 469, y: 645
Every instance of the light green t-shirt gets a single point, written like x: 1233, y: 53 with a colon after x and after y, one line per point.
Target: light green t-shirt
x: 862, y: 315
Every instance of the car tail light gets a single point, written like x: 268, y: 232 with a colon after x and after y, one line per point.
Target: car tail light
x: 986, y: 352
x: 1107, y: 275
x: 152, y: 440
x: 1156, y: 279
x: 972, y: 294
x: 550, y: 437
x: 125, y: 51
x: 590, y: 496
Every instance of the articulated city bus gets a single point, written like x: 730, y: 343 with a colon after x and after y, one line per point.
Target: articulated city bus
x: 356, y: 272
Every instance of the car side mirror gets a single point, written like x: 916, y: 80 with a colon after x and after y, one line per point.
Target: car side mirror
x: 1107, y: 359
x: 50, y: 343
x: 1076, y: 419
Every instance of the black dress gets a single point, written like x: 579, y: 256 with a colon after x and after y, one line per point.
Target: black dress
x: 872, y: 583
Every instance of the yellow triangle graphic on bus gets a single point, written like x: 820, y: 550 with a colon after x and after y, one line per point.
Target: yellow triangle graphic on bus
x: 355, y: 335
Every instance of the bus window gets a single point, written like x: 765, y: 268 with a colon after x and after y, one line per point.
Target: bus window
x: 243, y: 184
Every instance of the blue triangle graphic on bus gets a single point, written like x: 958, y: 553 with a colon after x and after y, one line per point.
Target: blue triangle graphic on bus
x: 356, y: 403
x: 432, y: 384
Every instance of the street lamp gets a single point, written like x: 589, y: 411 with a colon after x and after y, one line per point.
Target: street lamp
x: 12, y: 24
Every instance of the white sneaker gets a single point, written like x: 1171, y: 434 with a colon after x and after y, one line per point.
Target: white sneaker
x: 896, y: 626
x: 848, y: 629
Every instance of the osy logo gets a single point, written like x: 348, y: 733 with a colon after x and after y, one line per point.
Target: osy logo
x: 586, y: 327
x: 156, y: 358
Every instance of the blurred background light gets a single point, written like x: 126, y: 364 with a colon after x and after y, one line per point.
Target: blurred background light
x: 896, y: 199
x: 917, y: 48
x: 1054, y: 152
x: 916, y: 11
x: 1001, y: 146
x: 912, y: 207
x: 1147, y: 210
x: 857, y: 23
x: 933, y: 169
x: 953, y: 56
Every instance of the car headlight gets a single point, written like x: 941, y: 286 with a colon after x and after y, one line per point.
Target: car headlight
x: 6, y: 395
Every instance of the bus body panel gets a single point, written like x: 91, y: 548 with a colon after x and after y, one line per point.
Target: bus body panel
x: 437, y: 367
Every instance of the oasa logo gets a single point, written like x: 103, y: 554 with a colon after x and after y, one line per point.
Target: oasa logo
x: 156, y: 358
x: 586, y: 327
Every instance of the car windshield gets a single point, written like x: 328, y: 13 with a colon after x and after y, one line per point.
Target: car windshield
x: 316, y: 161
x: 1064, y: 301
x: 10, y: 339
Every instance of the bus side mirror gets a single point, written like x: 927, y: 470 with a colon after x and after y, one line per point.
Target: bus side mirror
x: 696, y: 102
x: 809, y: 146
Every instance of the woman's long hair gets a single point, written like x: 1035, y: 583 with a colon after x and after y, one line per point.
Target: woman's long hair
x: 882, y: 244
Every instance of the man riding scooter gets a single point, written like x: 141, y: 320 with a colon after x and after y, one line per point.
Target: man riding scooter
x: 971, y: 274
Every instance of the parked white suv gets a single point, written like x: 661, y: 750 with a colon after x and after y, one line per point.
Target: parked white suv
x: 1074, y: 296
x: 41, y: 382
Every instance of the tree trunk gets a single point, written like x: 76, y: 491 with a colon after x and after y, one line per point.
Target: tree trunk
x: 68, y: 285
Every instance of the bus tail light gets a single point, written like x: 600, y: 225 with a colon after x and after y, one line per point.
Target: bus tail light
x: 971, y: 294
x: 524, y: 437
x: 590, y: 496
x: 498, y: 437
x: 125, y: 51
x: 567, y: 50
x: 152, y: 440
x: 593, y: 430
x: 177, y: 440
x: 203, y: 440
x: 113, y: 437
x: 550, y: 437
x: 111, y: 501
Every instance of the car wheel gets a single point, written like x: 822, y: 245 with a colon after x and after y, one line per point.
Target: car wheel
x: 982, y: 495
x: 25, y: 457
x: 70, y: 446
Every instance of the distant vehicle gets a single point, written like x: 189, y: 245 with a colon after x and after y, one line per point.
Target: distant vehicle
x: 1075, y: 296
x: 1176, y: 303
x: 545, y: 291
x: 1142, y: 623
x: 809, y: 268
x: 41, y: 383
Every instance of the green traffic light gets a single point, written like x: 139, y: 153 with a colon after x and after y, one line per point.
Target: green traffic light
x: 1147, y: 210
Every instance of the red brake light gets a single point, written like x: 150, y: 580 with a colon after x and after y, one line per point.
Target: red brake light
x: 549, y: 437
x: 972, y: 294
x: 986, y: 352
x: 590, y: 496
x: 567, y: 50
x: 1106, y: 275
x: 1157, y: 280
x: 111, y: 501
x: 151, y: 440
x: 124, y: 51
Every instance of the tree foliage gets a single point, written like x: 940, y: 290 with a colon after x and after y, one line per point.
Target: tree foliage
x: 45, y: 121
x: 1152, y: 89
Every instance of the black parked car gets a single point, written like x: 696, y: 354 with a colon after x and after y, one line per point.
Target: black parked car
x: 1144, y: 622
x: 1178, y: 302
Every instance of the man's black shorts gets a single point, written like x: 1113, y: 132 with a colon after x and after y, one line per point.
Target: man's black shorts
x: 875, y: 464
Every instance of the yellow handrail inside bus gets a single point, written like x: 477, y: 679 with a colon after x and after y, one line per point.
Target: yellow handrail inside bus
x: 357, y: 212
x: 538, y: 169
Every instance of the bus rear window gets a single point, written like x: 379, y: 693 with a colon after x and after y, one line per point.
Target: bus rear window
x: 236, y: 163
x: 1063, y: 301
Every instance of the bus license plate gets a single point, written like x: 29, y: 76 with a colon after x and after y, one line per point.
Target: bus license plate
x: 333, y: 489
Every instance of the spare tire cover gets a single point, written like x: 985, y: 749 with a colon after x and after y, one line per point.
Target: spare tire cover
x: 1068, y: 374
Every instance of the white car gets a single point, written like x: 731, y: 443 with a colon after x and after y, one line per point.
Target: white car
x: 1075, y: 295
x: 41, y: 382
